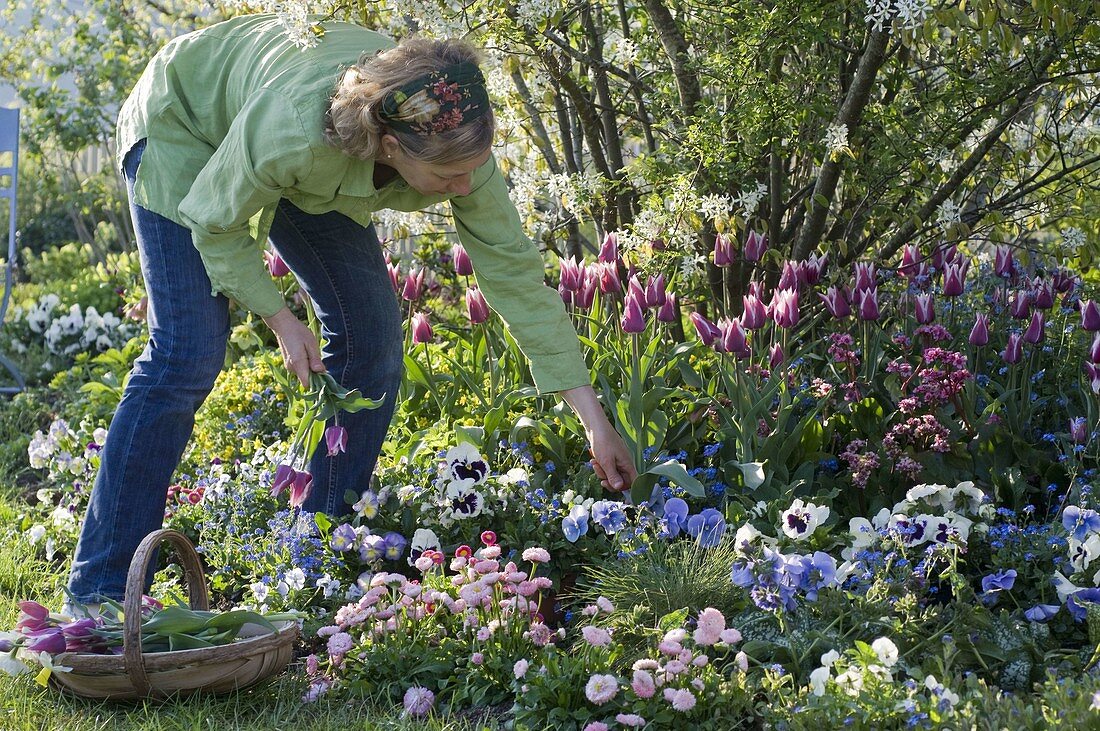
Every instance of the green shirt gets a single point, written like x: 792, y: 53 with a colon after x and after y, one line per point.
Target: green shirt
x: 234, y: 117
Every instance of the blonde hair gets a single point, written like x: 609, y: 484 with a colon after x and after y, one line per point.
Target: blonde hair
x: 354, y: 124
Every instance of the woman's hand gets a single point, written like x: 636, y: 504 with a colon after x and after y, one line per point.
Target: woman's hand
x: 299, y: 346
x: 611, y: 460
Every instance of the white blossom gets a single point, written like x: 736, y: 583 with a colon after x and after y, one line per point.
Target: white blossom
x: 750, y: 198
x: 948, y: 213
x: 836, y: 139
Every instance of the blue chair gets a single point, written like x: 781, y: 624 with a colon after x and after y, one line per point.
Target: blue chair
x: 9, y: 184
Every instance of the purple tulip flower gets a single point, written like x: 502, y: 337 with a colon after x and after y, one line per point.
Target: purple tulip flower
x: 1035, y: 329
x: 708, y: 331
x: 463, y: 266
x: 633, y: 317
x: 421, y: 329
x: 655, y: 294
x: 609, y: 249
x: 588, y: 290
x: 477, y: 309
x: 284, y: 478
x: 669, y: 310
x: 836, y: 302
x: 979, y: 334
x: 813, y: 269
x: 395, y: 276
x: 1042, y: 294
x: 51, y: 640
x: 785, y: 308
x: 1090, y: 316
x: 609, y: 277
x: 755, y: 246
x: 944, y: 255
x: 789, y: 278
x: 723, y: 251
x: 925, y: 309
x: 776, y: 356
x: 910, y: 261
x: 414, y: 285
x: 867, y: 301
x: 336, y: 440
x: 1093, y: 373
x: 864, y: 276
x: 954, y: 278
x: 1094, y: 349
x: 1078, y: 430
x: 734, y: 338
x: 755, y: 315
x: 1014, y: 350
x: 1003, y: 262
x: 572, y: 274
x: 275, y: 264
x: 1020, y: 306
x: 300, y: 488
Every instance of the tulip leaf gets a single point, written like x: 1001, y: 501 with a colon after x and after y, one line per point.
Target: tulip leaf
x: 237, y: 619
x: 177, y: 641
x: 356, y: 402
x: 676, y: 473
x: 474, y: 435
x: 172, y: 620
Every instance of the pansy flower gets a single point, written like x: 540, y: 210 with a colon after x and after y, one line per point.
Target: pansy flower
x: 575, y: 524
x: 609, y: 515
x: 801, y: 519
x: 463, y: 500
x: 464, y: 462
x: 422, y: 540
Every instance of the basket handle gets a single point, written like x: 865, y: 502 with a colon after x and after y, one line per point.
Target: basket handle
x: 135, y: 585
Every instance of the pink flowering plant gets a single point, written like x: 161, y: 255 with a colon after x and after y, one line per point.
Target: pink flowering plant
x: 456, y: 631
x: 686, y: 678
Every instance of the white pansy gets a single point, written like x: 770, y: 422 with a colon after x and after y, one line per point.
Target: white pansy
x: 745, y: 536
x: 295, y: 578
x: 818, y: 679
x: 886, y: 651
x: 850, y: 681
x: 801, y: 519
x: 35, y: 533
x: 829, y: 658
x: 925, y: 492
x: 1083, y: 553
x: 329, y: 585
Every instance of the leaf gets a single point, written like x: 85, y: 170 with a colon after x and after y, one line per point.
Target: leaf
x: 752, y: 472
x: 677, y: 474
x: 172, y: 620
x: 238, y: 618
x: 474, y: 435
x: 673, y: 620
x: 186, y: 642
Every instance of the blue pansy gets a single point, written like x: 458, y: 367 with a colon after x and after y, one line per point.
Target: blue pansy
x: 1042, y: 612
x: 1077, y: 601
x: 343, y: 538
x: 608, y: 515
x: 575, y: 524
x: 1080, y: 522
x: 707, y: 527
x: 676, y: 511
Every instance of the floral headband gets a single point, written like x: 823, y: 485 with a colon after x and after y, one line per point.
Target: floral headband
x: 437, y: 102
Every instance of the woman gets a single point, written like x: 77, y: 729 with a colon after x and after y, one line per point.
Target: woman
x: 232, y: 135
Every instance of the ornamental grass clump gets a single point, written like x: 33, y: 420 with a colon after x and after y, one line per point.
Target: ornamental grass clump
x: 455, y: 632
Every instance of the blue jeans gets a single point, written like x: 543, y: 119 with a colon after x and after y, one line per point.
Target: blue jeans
x: 339, y: 264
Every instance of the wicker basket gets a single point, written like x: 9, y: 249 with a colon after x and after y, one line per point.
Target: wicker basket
x: 135, y: 674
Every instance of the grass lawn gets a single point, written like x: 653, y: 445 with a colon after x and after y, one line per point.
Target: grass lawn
x: 25, y: 706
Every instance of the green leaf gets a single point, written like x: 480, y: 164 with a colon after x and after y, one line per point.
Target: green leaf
x: 474, y: 435
x: 186, y: 642
x: 237, y: 619
x: 323, y: 522
x: 174, y: 620
x: 673, y: 620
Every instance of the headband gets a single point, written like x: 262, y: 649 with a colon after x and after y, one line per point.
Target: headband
x: 437, y: 102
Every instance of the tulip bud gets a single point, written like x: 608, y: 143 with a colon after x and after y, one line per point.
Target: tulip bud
x: 813, y: 269
x: 789, y: 278
x: 1004, y: 265
x: 1093, y: 374
x: 1090, y: 316
x: 1020, y: 306
x: 979, y: 334
x: 755, y: 246
x: 422, y: 329
x: 785, y: 308
x: 34, y: 610
x: 1094, y: 351
x: 836, y: 303
x: 733, y: 339
x: 609, y: 250
x: 1034, y: 332
x: 414, y: 285
x: 477, y: 309
x: 275, y: 264
x: 50, y: 641
x: 925, y: 309
x: 609, y: 278
x: 943, y: 255
x: 587, y: 293
x: 865, y: 276
x: 633, y: 319
x: 300, y: 489
x: 336, y: 439
x: 1078, y: 430
x: 1042, y: 294
x: 655, y: 291
x: 572, y: 274
x: 1013, y: 351
x: 954, y: 278
x: 867, y: 301
x: 910, y: 261
x: 634, y: 288
x: 463, y: 266
x: 707, y: 330
x: 1064, y: 281
x: 776, y: 357
x: 755, y: 314
x: 284, y: 476
x: 723, y: 251
x: 669, y: 310
x: 395, y: 276
x: 756, y: 289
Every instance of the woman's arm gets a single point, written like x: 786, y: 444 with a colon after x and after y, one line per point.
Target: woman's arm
x: 611, y: 459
